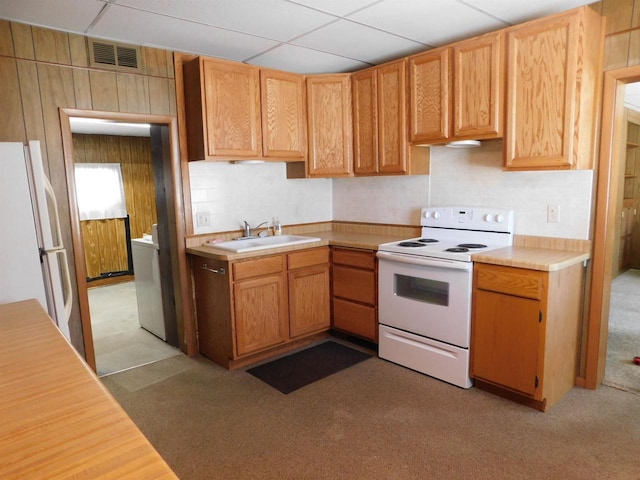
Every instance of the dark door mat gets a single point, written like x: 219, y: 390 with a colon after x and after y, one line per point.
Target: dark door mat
x: 294, y: 371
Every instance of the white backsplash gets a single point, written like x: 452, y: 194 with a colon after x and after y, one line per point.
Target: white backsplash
x: 258, y: 193
x: 232, y: 193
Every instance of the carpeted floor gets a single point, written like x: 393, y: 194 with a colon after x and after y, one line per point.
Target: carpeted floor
x: 374, y: 420
x: 119, y: 341
x: 623, y: 342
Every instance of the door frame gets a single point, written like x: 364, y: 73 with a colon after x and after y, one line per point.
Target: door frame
x: 607, y: 206
x: 184, y: 311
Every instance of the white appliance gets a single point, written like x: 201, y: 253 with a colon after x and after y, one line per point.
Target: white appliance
x: 425, y: 286
x: 33, y: 261
x: 146, y: 268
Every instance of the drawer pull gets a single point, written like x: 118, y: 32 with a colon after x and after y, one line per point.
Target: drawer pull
x: 220, y: 271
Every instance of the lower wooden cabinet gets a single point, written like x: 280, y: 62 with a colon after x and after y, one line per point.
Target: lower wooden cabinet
x: 354, y: 292
x: 525, y: 330
x: 250, y: 307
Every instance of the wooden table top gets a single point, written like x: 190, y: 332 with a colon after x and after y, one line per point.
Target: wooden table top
x: 57, y: 420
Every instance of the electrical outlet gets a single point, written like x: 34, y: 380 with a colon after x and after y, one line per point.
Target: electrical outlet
x: 203, y: 219
x: 553, y: 213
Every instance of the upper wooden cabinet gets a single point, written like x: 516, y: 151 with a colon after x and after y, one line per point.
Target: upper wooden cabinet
x: 430, y: 97
x: 222, y: 109
x: 233, y: 110
x: 329, y: 126
x: 478, y: 87
x: 554, y: 67
x: 283, y: 114
x: 456, y: 92
x: 379, y: 123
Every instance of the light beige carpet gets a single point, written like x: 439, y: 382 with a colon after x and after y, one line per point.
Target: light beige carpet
x: 119, y: 341
x: 623, y: 342
x: 375, y: 420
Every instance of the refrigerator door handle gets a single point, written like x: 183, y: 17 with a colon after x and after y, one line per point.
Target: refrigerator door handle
x: 48, y: 188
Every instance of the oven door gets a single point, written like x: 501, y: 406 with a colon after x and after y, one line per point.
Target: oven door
x: 426, y: 296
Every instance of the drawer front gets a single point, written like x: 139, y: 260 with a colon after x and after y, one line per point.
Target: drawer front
x: 519, y: 282
x: 354, y: 318
x: 354, y: 258
x: 354, y: 284
x: 258, y: 267
x: 308, y: 258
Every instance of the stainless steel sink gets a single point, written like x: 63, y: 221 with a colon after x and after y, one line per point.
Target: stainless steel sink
x: 261, y: 243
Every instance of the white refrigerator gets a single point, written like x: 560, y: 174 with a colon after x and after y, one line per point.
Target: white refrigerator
x: 33, y: 261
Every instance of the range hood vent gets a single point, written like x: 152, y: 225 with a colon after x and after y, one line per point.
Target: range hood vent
x: 114, y: 56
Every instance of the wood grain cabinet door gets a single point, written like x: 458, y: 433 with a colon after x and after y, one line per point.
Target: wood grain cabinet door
x: 392, y: 118
x: 478, y: 90
x: 506, y: 340
x: 430, y: 97
x: 365, y: 121
x: 329, y: 126
x: 261, y: 313
x: 232, y: 108
x: 309, y: 303
x: 283, y: 114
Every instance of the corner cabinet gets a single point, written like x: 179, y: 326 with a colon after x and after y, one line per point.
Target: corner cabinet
x: 222, y: 109
x: 237, y: 111
x: 254, y: 308
x: 456, y: 92
x: 525, y: 330
x: 329, y: 126
x: 554, y: 70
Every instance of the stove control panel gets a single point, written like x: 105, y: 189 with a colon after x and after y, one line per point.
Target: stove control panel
x: 468, y: 218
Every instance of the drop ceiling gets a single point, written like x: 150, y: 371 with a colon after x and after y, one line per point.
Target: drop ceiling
x: 303, y: 36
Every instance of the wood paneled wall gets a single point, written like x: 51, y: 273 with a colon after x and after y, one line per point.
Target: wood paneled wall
x: 622, y: 37
x: 105, y: 247
x: 42, y: 70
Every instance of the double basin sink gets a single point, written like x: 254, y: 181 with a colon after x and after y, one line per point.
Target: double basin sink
x: 262, y: 243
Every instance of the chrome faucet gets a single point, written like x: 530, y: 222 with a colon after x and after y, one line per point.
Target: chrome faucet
x: 249, y: 230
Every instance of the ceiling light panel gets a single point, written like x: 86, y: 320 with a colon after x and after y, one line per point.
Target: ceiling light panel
x: 143, y: 28
x: 433, y: 22
x: 273, y: 19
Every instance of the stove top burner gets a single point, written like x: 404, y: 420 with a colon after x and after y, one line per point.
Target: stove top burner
x: 457, y: 249
x: 411, y: 244
x: 428, y: 240
x: 472, y: 245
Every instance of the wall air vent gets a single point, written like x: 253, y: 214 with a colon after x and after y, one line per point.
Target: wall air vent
x: 114, y: 56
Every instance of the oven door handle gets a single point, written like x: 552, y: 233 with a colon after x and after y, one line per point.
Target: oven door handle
x: 425, y: 262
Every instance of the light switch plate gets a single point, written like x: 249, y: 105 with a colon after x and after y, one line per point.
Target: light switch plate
x: 553, y: 213
x: 203, y: 219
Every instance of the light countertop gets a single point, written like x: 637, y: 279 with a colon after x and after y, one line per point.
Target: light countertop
x: 58, y: 420
x: 544, y: 259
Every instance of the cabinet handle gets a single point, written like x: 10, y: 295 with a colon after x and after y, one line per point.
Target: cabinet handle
x: 220, y: 270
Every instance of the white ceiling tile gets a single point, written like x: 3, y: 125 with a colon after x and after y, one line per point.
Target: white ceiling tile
x: 300, y: 60
x: 50, y: 14
x: 433, y: 22
x: 274, y: 19
x: 336, y: 7
x: 359, y: 42
x: 143, y: 28
x: 518, y: 11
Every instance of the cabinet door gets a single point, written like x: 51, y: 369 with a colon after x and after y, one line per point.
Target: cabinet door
x: 478, y: 87
x: 329, y: 126
x: 505, y: 340
x: 365, y: 121
x: 232, y: 109
x: 309, y: 300
x: 430, y: 99
x: 261, y: 314
x: 392, y: 123
x: 541, y: 86
x: 283, y: 114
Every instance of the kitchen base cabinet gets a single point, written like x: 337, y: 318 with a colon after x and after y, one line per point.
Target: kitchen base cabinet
x: 525, y: 330
x: 248, y: 310
x: 354, y: 292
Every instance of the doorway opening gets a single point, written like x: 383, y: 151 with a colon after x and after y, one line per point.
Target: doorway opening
x: 164, y: 188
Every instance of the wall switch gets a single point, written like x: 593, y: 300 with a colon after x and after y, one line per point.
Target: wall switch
x: 553, y: 213
x: 203, y: 219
